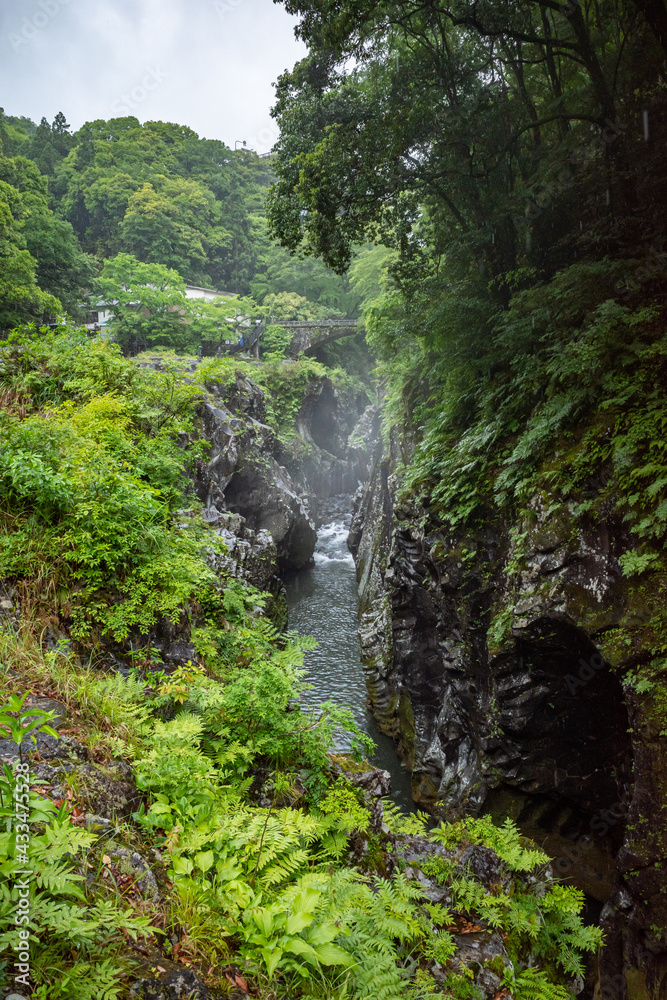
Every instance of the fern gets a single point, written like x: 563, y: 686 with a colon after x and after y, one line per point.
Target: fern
x: 546, y: 922
x: 82, y: 981
x: 533, y: 984
x: 377, y: 977
x: 399, y: 822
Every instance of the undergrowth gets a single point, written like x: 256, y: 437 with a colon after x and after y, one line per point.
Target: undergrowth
x: 554, y: 403
x: 267, y: 857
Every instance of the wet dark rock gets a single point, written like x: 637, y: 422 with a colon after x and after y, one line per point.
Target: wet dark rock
x: 275, y: 486
x: 481, y: 952
x: 242, y: 396
x: 265, y: 495
x: 481, y: 949
x: 415, y: 851
x: 180, y: 653
x: 107, y: 790
x: 504, y: 690
x: 243, y: 477
x: 175, y: 983
x: 149, y: 989
x: 335, y: 508
x: 338, y: 437
x: 375, y: 782
x: 249, y: 555
x: 64, y: 750
x: 56, y: 708
x: 482, y: 864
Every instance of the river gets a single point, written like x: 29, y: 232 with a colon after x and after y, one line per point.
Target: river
x: 322, y: 602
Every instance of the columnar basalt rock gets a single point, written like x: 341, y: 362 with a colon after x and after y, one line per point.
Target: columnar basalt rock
x: 492, y: 658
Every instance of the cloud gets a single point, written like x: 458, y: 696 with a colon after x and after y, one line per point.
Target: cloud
x: 207, y: 64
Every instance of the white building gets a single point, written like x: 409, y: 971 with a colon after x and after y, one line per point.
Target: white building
x: 195, y: 292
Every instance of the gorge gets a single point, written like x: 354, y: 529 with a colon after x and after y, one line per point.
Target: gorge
x: 443, y: 457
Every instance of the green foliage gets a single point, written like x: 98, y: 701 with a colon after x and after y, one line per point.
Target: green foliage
x: 286, y: 384
x: 279, y: 273
x: 533, y: 984
x: 99, y: 529
x: 274, y: 887
x: 161, y: 193
x: 288, y: 307
x: 18, y: 723
x: 341, y: 802
x: 412, y: 824
x: 90, y: 481
x: 75, y: 939
x: 22, y: 300
x: 145, y: 301
x: 539, y: 916
x: 521, y: 341
x: 254, y: 859
x: 506, y: 841
x: 461, y: 987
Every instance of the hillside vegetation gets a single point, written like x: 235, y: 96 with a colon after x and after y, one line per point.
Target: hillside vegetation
x: 154, y: 192
x: 523, y: 340
x: 235, y: 841
x: 485, y: 182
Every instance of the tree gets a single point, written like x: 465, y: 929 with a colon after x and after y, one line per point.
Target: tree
x: 219, y: 319
x: 147, y: 302
x: 279, y: 271
x: 493, y: 148
x: 42, y: 150
x: 161, y: 193
x: 486, y: 132
x: 178, y: 225
x: 61, y: 267
x: 51, y: 143
x: 21, y: 300
x: 15, y: 133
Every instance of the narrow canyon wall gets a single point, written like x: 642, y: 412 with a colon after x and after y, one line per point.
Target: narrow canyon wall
x: 274, y: 487
x: 499, y: 660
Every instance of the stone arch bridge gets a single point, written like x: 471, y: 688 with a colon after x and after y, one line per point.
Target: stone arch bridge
x: 305, y: 334
x: 310, y: 334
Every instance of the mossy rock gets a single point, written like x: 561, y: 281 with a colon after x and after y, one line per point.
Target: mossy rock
x: 107, y: 790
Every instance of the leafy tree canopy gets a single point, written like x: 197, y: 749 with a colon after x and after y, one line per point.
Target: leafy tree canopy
x: 147, y: 302
x: 61, y: 269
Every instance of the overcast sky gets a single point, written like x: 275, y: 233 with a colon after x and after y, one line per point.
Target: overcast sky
x: 208, y: 64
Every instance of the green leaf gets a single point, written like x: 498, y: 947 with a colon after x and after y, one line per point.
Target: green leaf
x: 182, y: 865
x: 297, y: 946
x: 332, y: 954
x: 264, y: 920
x: 271, y: 958
x: 204, y: 860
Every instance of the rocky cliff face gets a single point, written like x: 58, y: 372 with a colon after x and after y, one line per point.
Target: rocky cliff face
x: 243, y: 477
x: 339, y: 436
x: 259, y: 498
x: 495, y: 660
x: 251, y: 473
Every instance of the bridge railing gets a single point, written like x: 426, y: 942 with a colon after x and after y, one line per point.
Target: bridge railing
x: 249, y: 339
x: 314, y: 324
x: 250, y: 335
